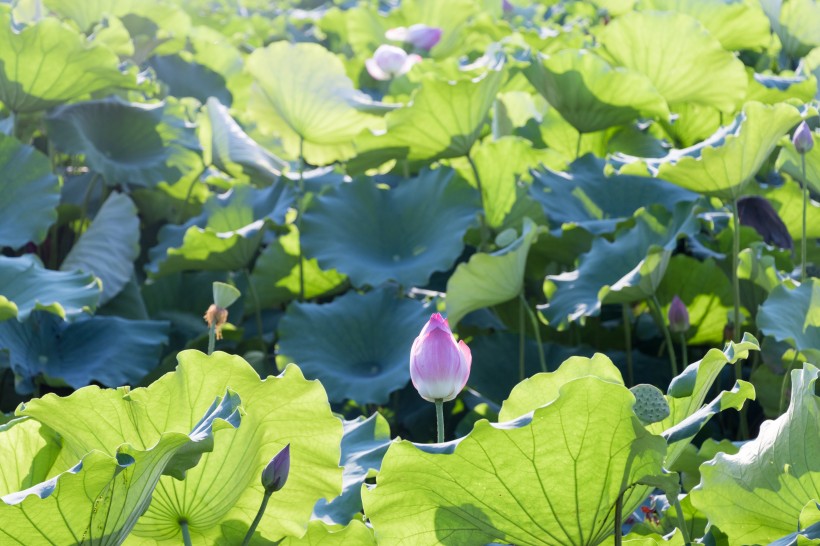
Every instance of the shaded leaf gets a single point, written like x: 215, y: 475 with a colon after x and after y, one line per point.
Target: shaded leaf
x: 793, y: 315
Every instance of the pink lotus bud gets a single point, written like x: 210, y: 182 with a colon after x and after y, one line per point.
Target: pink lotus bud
x: 276, y: 473
x: 439, y: 367
x: 390, y: 61
x: 802, y: 139
x: 419, y: 36
x: 678, y: 316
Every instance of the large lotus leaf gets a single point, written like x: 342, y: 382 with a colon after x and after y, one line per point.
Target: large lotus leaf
x: 692, y: 124
x: 47, y: 63
x: 682, y: 60
x: 225, y: 236
x: 109, y: 247
x: 356, y: 533
x: 790, y: 162
x: 403, y: 234
x: 490, y: 279
x: 770, y: 89
x: 28, y: 286
x: 108, y: 489
x: 501, y: 164
x: 31, y: 450
x: 586, y: 196
x: 313, y: 109
x: 736, y: 25
x: 724, y: 163
x: 359, y: 345
x: 793, y: 315
x: 795, y: 22
x: 275, y: 275
x: 30, y: 192
x: 233, y: 151
x: 536, y: 480
x: 757, y: 495
x: 88, y: 12
x: 705, y: 290
x: 220, y: 496
x: 75, y: 354
x: 436, y: 124
x: 363, y: 446
x: 592, y: 95
x: 127, y: 143
x: 628, y: 269
x: 187, y: 78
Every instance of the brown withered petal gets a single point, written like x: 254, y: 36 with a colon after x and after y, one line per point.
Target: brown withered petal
x: 216, y: 317
x: 756, y: 212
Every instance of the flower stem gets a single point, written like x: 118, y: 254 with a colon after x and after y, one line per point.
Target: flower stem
x: 211, y: 338
x: 683, y: 351
x: 744, y: 427
x: 670, y: 348
x: 186, y: 534
x: 630, y: 373
x: 521, y: 339
x: 482, y: 219
x: 257, y: 312
x: 534, y: 321
x: 439, y: 420
x: 786, y: 380
x: 257, y: 519
x: 618, y: 519
x: 681, y: 521
x: 805, y: 209
x: 299, y: 210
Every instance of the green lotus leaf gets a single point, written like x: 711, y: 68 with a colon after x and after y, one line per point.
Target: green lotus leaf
x: 706, y: 292
x: 587, y: 197
x: 628, y: 269
x: 793, y: 315
x: 689, y: 461
x: 363, y: 446
x: 478, y: 490
x: 30, y: 191
x: 795, y: 22
x: 654, y: 539
x: 489, y: 279
x: 109, y: 246
x: 28, y: 286
x: 791, y: 163
x: 435, y: 125
x: 107, y: 490
x: 313, y: 109
x: 225, y: 236
x: 693, y: 123
x: 736, y: 25
x: 75, y: 354
x: 356, y: 533
x: 723, y: 164
x: 501, y: 164
x: 771, y: 89
x: 127, y: 143
x: 275, y: 275
x: 374, y: 235
x: 86, y: 13
x: 682, y: 60
x: 48, y: 63
x: 233, y: 151
x: 592, y: 95
x: 757, y: 495
x: 220, y: 496
x: 186, y: 78
x: 360, y: 343
x: 32, y: 448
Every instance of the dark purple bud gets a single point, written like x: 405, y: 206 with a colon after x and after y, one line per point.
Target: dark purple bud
x: 757, y: 213
x: 276, y: 473
x: 678, y: 316
x: 802, y: 139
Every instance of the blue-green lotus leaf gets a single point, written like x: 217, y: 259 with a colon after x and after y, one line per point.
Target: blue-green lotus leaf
x: 227, y: 233
x: 30, y: 194
x: 795, y: 22
x: 771, y: 89
x: 793, y: 315
x: 586, y: 196
x: 186, y: 78
x: 75, y: 354
x: 28, y: 286
x: 128, y: 143
x: 359, y: 346
x: 403, y: 234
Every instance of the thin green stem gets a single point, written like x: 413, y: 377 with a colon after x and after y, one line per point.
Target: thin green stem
x: 619, y: 519
x: 534, y: 321
x: 257, y: 312
x: 683, y: 350
x: 786, y: 380
x: 211, y: 339
x: 257, y: 519
x: 299, y: 209
x: 483, y: 215
x: 521, y: 339
x: 744, y: 427
x: 439, y: 420
x: 630, y: 373
x: 186, y: 534
x: 670, y: 348
x: 681, y: 521
x: 803, y: 247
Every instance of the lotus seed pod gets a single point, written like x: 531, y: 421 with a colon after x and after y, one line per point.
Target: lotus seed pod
x: 650, y: 404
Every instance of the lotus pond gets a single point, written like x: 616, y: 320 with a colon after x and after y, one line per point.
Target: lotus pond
x: 232, y: 232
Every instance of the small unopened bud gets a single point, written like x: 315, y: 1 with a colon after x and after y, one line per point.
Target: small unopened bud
x: 802, y: 139
x: 216, y: 317
x: 678, y: 316
x: 276, y: 473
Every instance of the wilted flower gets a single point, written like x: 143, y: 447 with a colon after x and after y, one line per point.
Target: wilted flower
x: 276, y: 473
x: 390, y: 61
x: 439, y: 367
x: 419, y: 36
x: 756, y: 212
x: 678, y: 316
x: 216, y: 317
x: 802, y: 139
